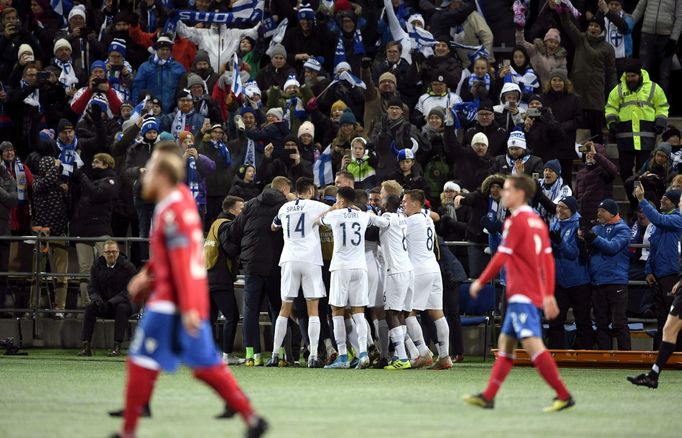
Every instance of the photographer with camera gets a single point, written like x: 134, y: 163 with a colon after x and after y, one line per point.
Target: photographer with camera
x: 594, y: 181
x: 290, y: 165
x: 14, y: 36
x: 109, y: 298
x: 609, y: 266
x: 543, y: 132
x: 97, y: 85
x: 663, y: 264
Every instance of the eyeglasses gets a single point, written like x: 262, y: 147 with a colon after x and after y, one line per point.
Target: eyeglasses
x: 111, y: 251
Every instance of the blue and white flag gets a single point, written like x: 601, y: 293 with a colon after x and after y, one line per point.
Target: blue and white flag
x: 277, y: 34
x: 62, y: 9
x: 358, y: 46
x: 228, y: 18
x: 322, y: 168
x: 351, y: 79
x: 476, y: 51
x: 466, y: 110
x: 237, y: 86
x: 340, y: 53
x: 246, y: 9
x: 422, y: 40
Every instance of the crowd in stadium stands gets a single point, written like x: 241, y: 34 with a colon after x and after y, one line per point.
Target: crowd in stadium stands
x: 445, y: 96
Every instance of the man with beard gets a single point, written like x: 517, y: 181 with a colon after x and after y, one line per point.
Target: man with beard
x: 307, y: 40
x: 377, y: 97
x: 636, y: 113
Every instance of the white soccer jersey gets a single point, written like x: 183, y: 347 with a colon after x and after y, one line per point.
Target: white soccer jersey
x: 301, y: 236
x: 348, y: 227
x: 421, y: 238
x: 394, y: 243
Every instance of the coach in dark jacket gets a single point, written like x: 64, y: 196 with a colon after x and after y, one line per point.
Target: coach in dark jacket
x: 109, y: 298
x: 594, y: 181
x: 609, y: 267
x: 260, y: 249
x: 663, y: 264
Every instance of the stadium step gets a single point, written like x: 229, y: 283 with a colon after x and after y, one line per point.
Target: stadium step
x: 600, y: 358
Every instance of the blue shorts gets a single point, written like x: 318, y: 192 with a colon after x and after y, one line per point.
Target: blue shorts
x: 522, y: 320
x: 162, y: 342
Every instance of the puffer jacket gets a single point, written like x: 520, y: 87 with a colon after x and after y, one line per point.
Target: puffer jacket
x: 260, y: 247
x: 49, y: 201
x: 610, y: 258
x: 594, y: 183
x: 664, y: 256
x: 661, y: 17
x: 570, y: 256
x: 542, y: 62
x: 98, y: 190
x: 160, y: 80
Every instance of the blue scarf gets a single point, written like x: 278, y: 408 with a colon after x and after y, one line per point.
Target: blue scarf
x: 510, y: 162
x: 222, y: 151
x: 358, y: 47
x: 151, y: 19
x: 250, y: 155
x: 68, y: 155
x: 485, y: 79
x: 193, y: 176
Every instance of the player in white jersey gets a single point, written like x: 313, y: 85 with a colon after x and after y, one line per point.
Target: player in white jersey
x: 349, y: 272
x: 428, y: 283
x: 399, y: 279
x: 301, y: 263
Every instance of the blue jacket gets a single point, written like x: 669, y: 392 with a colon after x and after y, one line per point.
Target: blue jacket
x: 160, y: 80
x: 664, y: 257
x: 569, y: 256
x: 194, y: 120
x: 610, y: 259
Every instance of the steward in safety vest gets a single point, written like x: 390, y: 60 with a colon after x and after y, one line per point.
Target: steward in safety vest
x: 221, y: 255
x: 637, y: 110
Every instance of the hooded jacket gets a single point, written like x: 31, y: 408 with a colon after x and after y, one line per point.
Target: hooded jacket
x: 570, y: 255
x: 503, y: 116
x: 664, y: 255
x: 610, y: 258
x: 260, y: 247
x: 49, y: 201
x: 159, y: 80
x: 478, y: 201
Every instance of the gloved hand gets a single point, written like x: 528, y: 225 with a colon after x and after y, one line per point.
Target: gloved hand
x: 613, y: 130
x: 670, y: 47
x: 590, y: 236
x: 99, y: 302
x: 312, y: 104
x: 555, y: 237
x: 366, y: 62
x: 661, y: 124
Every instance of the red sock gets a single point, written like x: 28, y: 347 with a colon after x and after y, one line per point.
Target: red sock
x: 138, y: 392
x: 221, y: 380
x: 544, y: 362
x: 503, y: 364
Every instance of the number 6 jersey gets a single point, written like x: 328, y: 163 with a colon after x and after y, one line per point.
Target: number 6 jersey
x: 394, y: 244
x: 349, y: 227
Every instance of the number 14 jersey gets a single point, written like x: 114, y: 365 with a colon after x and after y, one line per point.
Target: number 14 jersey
x: 301, y: 235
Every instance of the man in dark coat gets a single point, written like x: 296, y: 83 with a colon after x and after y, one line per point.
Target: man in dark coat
x: 9, y: 199
x: 486, y: 123
x: 517, y: 160
x: 472, y: 162
x: 109, y: 278
x: 260, y: 249
x: 594, y: 181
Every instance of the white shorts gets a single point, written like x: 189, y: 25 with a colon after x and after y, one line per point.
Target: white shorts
x: 398, y: 291
x: 348, y: 287
x: 375, y: 282
x: 428, y: 292
x: 297, y: 274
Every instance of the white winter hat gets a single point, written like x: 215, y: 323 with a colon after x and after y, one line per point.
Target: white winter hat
x: 479, y: 137
x: 451, y: 185
x: 77, y: 10
x: 517, y: 139
x: 291, y: 82
x: 306, y: 128
x: 61, y: 43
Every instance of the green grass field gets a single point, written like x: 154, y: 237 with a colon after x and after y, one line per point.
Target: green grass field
x: 55, y: 394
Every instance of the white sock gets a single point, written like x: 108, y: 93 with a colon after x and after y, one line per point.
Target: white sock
x: 384, y: 338
x: 361, y: 329
x: 340, y: 334
x: 411, y: 348
x: 329, y: 346
x: 314, y: 334
x: 398, y: 339
x: 352, y: 333
x: 370, y: 339
x: 280, y: 333
x: 415, y: 331
x: 443, y: 333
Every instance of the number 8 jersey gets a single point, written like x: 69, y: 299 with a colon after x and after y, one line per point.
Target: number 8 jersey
x: 349, y: 227
x: 421, y: 238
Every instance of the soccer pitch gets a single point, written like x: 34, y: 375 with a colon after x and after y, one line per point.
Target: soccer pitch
x: 55, y: 394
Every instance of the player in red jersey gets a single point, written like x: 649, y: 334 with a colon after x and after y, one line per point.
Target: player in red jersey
x: 526, y: 254
x: 175, y: 325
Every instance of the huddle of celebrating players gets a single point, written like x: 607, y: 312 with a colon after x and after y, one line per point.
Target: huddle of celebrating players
x: 386, y: 262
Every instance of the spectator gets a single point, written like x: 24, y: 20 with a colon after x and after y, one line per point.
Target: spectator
x: 443, y: 60
x: 594, y: 181
x: 453, y: 221
x: 219, y: 181
x: 307, y: 40
x: 293, y: 100
x: 593, y: 71
x: 609, y: 264
x: 20, y: 215
x: 109, y: 298
x: 71, y: 75
x: 326, y: 128
x: 517, y: 160
x: 185, y: 118
x: 438, y: 95
x: 14, y: 36
x: 520, y: 72
x: 486, y: 124
x: 8, y: 201
x: 289, y: 165
x: 314, y: 76
x: 617, y: 30
x: 119, y: 72
x: 543, y: 133
x: 97, y: 87
x: 479, y: 84
x: 510, y: 113
x: 553, y: 187
x: 202, y: 68
x: 662, y: 266
x: 306, y: 146
x: 559, y: 97
x: 274, y: 131
x: 474, y: 31
x: 159, y: 75
x: 661, y: 29
x: 243, y: 149
x: 362, y: 164
x: 259, y: 256
x: 636, y: 126
x: 408, y: 177
x: 353, y: 96
x: 222, y: 264
x: 440, y: 134
x: 244, y: 185
x: 545, y: 54
x: 50, y: 211
x: 203, y: 102
x: 402, y: 72
x: 473, y: 164
x: 277, y: 72
x: 654, y: 176
x: 97, y: 189
x: 573, y: 279
x: 483, y: 201
x: 377, y: 98
x: 391, y: 135
x: 197, y: 168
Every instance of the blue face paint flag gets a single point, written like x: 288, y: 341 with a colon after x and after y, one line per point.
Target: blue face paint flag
x: 340, y: 53
x: 237, y: 86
